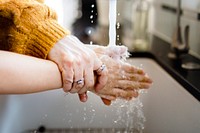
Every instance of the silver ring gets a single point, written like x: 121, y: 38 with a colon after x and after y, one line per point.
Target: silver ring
x: 80, y: 81
x: 101, y: 68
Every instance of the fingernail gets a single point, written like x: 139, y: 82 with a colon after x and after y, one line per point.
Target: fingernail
x: 106, y: 102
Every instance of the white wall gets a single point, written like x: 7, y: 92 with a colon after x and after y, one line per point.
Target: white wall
x: 67, y: 11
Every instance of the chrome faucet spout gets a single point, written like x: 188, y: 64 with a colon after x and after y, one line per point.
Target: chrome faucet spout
x: 179, y: 46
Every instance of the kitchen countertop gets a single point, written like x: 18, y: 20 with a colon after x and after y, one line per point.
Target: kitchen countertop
x: 189, y: 79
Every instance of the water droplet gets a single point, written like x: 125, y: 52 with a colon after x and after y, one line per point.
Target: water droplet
x: 118, y: 14
x: 91, y: 42
x: 118, y: 25
x: 92, y: 5
x: 118, y: 37
x: 89, y: 32
x: 92, y: 21
x: 122, y: 106
x: 92, y: 11
x: 91, y: 16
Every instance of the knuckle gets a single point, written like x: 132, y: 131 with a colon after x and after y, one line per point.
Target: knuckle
x: 66, y: 88
x: 67, y: 83
x: 67, y: 62
x: 78, y: 61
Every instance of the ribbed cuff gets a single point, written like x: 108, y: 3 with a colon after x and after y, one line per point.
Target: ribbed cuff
x: 44, y: 37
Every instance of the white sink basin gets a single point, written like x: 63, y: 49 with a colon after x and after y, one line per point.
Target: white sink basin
x: 168, y: 108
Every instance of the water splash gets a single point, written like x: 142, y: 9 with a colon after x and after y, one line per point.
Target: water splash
x: 133, y: 118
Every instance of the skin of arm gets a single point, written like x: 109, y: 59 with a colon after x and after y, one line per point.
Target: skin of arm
x: 22, y: 74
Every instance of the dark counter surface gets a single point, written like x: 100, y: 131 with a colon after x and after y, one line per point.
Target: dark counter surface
x: 189, y: 79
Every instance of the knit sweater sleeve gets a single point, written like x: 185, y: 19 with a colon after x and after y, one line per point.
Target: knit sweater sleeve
x: 34, y: 28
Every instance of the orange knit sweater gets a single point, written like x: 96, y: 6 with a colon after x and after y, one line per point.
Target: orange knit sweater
x: 28, y: 27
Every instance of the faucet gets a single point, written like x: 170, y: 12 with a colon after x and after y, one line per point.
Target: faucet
x: 178, y: 45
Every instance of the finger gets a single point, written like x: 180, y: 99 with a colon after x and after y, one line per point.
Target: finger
x: 132, y: 69
x: 67, y: 76
x: 102, y: 77
x: 146, y: 79
x: 108, y: 97
x: 106, y: 101
x: 89, y: 80
x: 83, y: 97
x: 125, y: 94
x: 101, y: 80
x: 131, y: 85
x: 135, y: 77
x: 145, y: 85
x: 78, y: 78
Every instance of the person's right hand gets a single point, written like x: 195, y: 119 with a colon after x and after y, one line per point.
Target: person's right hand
x: 77, y: 64
x: 124, y: 80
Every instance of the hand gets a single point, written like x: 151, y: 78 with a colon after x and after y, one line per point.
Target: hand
x: 123, y: 79
x: 77, y: 64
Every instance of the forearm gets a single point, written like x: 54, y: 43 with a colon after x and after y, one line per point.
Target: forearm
x: 21, y: 74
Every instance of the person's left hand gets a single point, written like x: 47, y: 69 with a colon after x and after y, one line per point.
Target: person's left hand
x: 77, y: 64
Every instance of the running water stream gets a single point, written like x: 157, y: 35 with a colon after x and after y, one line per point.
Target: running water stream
x: 112, y: 22
x: 133, y: 118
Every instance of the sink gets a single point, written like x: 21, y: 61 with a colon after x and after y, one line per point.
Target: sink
x: 167, y: 107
